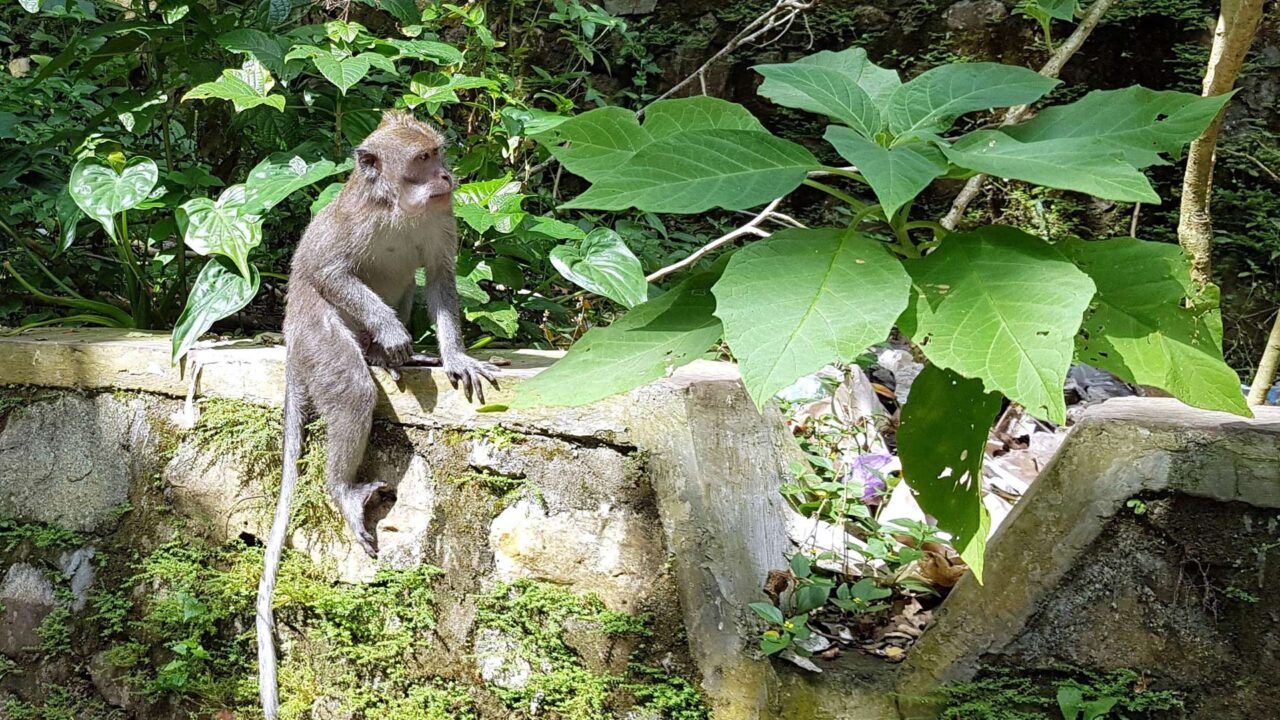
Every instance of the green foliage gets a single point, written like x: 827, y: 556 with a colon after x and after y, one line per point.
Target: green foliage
x: 996, y: 311
x: 832, y: 293
x: 603, y: 264
x: 55, y: 632
x: 41, y: 536
x: 1078, y: 696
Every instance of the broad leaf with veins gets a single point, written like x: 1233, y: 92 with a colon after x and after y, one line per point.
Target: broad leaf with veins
x: 1004, y: 307
x: 829, y: 294
x: 647, y: 343
x: 1140, y: 328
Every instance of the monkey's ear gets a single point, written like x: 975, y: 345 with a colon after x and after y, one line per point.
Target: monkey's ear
x: 368, y: 163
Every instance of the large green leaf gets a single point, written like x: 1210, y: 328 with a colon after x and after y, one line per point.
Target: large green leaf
x: 666, y: 332
x: 246, y: 87
x: 595, y: 143
x: 821, y: 88
x: 877, y: 82
x: 101, y: 192
x: 218, y: 292
x: 1002, y: 306
x: 435, y: 89
x: 222, y: 227
x: 930, y: 103
x: 341, y: 69
x: 491, y: 204
x: 804, y: 298
x: 696, y: 170
x: 1078, y: 164
x: 1138, y: 122
x: 941, y: 440
x: 436, y: 52
x: 603, y: 264
x: 267, y: 48
x: 896, y: 174
x: 280, y: 175
x: 1141, y: 329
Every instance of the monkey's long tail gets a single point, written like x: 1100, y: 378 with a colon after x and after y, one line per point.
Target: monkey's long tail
x: 275, y: 546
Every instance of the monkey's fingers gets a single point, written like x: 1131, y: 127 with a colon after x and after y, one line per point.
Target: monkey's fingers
x: 423, y: 360
x: 394, y: 373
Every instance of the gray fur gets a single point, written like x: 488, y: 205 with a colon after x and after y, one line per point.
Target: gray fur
x: 350, y: 290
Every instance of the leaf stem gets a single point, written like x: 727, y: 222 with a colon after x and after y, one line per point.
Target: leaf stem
x: 835, y: 193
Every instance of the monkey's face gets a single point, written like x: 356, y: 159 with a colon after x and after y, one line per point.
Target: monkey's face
x: 404, y: 162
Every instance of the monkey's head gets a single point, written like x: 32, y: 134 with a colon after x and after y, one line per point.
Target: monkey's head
x: 402, y: 162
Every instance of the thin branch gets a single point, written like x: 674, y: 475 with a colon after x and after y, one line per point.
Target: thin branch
x: 1270, y: 173
x: 751, y: 228
x: 1051, y: 69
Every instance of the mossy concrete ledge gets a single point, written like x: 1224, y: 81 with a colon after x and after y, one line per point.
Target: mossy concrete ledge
x: 662, y: 503
x: 1150, y: 542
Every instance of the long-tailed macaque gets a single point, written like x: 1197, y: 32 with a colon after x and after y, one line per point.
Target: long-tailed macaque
x: 350, y: 292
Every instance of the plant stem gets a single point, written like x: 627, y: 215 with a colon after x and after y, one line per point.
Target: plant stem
x: 1268, y: 365
x: 838, y: 194
x: 1237, y: 26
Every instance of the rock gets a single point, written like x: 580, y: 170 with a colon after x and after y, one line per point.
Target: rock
x: 492, y: 457
x: 974, y: 14
x: 110, y: 681
x: 605, y: 551
x: 630, y: 7
x: 904, y: 369
x: 27, y: 598
x: 213, y: 491
x: 78, y: 568
x: 498, y: 660
x: 79, y: 469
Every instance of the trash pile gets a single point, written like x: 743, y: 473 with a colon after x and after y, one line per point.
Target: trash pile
x: 869, y: 567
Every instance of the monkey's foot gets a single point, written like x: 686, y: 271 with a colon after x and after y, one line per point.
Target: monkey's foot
x: 470, y: 373
x: 351, y: 502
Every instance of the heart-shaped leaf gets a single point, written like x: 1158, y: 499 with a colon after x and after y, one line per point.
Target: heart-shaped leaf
x: 342, y: 70
x: 603, y: 264
x: 102, y: 193
x: 219, y: 291
x: 490, y: 204
x: 222, y: 227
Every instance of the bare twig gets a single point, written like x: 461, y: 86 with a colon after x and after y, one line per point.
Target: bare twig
x: 751, y: 228
x: 1051, y: 69
x: 1270, y: 173
x: 1133, y: 223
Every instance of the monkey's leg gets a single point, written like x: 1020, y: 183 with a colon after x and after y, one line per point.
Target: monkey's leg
x: 345, y: 397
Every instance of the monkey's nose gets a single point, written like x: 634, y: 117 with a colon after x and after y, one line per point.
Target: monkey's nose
x: 446, y: 177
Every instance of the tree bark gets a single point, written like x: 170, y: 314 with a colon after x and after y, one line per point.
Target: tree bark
x: 1267, y: 367
x: 1237, y: 26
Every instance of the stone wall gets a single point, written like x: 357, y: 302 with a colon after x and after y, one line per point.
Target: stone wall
x: 580, y: 563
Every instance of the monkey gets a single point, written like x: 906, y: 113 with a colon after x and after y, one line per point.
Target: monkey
x: 351, y: 288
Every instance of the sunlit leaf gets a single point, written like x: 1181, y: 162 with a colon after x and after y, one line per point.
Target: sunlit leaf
x: 222, y: 227
x: 102, y: 192
x: 1004, y: 307
x: 801, y: 299
x: 246, y: 87
x: 343, y: 71
x: 1141, y: 328
x: 603, y: 264
x: 219, y: 291
x: 655, y: 337
x: 280, y: 175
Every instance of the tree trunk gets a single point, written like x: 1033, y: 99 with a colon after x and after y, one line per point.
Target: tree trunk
x: 1267, y: 367
x: 1237, y: 26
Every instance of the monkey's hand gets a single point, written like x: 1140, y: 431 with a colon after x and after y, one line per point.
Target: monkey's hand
x: 470, y: 372
x: 394, y: 345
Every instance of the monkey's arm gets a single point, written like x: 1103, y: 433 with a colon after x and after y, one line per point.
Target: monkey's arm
x: 358, y: 301
x: 442, y: 300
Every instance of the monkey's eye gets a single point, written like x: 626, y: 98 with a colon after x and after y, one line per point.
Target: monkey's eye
x: 425, y: 155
